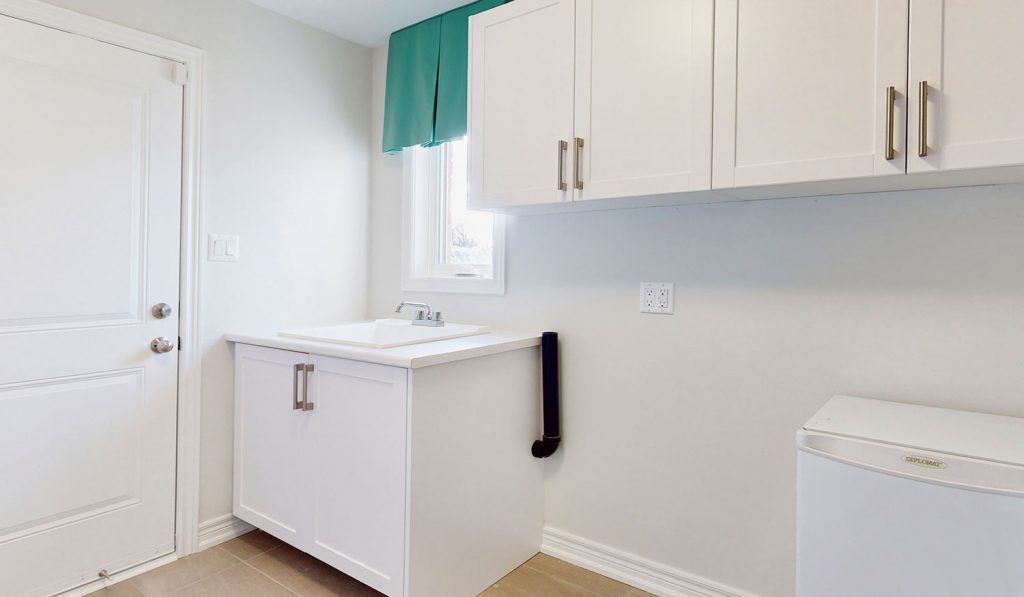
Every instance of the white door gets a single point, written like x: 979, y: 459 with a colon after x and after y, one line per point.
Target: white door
x: 521, y: 103
x: 90, y: 155
x: 272, y: 441
x: 643, y: 96
x: 359, y: 472
x: 801, y: 90
x: 969, y: 53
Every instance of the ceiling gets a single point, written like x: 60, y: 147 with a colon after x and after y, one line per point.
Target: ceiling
x: 367, y: 22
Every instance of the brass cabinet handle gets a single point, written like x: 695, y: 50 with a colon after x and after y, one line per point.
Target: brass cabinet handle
x: 890, y: 122
x: 296, y: 405
x: 922, y: 124
x: 306, y: 404
x: 579, y: 158
x: 563, y: 146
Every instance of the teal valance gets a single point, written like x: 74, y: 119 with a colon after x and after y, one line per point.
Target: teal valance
x: 425, y: 95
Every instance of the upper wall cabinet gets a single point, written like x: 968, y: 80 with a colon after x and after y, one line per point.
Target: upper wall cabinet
x: 589, y: 99
x: 967, y: 56
x: 809, y: 90
x: 643, y: 97
x: 521, y: 102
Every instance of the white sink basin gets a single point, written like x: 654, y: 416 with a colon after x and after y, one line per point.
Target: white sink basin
x: 385, y: 333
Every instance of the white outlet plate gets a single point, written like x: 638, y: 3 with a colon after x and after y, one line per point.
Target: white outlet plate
x: 657, y: 297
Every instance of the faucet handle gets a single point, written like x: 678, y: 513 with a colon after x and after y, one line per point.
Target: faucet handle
x: 437, y: 316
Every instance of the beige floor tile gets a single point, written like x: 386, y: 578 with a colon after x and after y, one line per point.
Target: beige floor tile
x: 251, y: 545
x: 602, y: 585
x: 238, y: 581
x: 124, y: 588
x: 307, y: 575
x: 639, y: 593
x: 185, y: 571
x: 526, y: 581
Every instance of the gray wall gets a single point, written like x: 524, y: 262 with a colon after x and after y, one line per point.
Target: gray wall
x: 679, y: 430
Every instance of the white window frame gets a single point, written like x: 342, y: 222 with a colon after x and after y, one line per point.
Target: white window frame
x: 421, y: 238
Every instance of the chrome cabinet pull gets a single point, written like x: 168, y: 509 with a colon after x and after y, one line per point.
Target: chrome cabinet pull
x: 890, y: 122
x: 306, y: 404
x: 922, y: 124
x: 296, y: 405
x: 579, y: 158
x: 563, y: 146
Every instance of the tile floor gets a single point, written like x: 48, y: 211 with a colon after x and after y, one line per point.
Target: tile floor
x: 258, y: 565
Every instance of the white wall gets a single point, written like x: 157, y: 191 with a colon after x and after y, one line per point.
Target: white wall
x: 679, y: 430
x: 286, y: 168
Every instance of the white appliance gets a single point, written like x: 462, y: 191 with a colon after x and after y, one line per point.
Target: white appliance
x: 896, y: 500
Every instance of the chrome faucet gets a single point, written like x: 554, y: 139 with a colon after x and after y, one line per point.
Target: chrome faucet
x: 425, y: 316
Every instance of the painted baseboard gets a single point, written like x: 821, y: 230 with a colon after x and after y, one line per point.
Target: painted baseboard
x: 218, y: 530
x: 633, y: 570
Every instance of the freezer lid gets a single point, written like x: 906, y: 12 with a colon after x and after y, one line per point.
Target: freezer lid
x: 967, y: 434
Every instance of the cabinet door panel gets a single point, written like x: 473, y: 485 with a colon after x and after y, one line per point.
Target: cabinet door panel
x: 359, y: 470
x: 272, y: 483
x: 969, y: 53
x: 800, y: 90
x: 521, y: 102
x: 643, y: 96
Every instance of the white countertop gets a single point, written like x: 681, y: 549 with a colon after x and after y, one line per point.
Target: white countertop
x: 412, y: 356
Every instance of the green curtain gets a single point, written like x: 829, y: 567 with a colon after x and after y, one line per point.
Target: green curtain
x: 425, y: 95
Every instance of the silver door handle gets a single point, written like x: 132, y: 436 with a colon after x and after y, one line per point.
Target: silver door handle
x: 161, y: 310
x: 296, y: 405
x: 306, y: 370
x: 161, y: 345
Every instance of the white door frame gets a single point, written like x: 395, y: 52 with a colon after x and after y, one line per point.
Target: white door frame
x: 186, y: 532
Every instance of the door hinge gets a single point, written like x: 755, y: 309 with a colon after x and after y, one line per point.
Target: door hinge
x: 179, y: 342
x: 181, y: 74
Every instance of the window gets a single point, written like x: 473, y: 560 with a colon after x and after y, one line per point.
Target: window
x: 447, y: 247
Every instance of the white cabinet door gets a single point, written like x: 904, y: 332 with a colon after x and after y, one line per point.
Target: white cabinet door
x: 521, y: 103
x: 359, y: 470
x: 970, y: 54
x: 273, y: 483
x: 801, y: 89
x: 643, y: 96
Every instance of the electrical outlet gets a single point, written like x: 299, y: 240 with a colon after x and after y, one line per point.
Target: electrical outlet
x: 657, y: 297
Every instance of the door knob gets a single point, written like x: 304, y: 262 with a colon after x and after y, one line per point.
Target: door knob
x: 162, y: 310
x: 161, y: 345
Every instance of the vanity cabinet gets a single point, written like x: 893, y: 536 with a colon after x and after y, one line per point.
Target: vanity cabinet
x: 320, y: 458
x: 573, y: 100
x: 417, y: 481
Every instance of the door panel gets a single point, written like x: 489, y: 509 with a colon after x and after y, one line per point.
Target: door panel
x: 521, y: 102
x: 800, y: 90
x: 643, y: 96
x: 969, y: 53
x: 90, y: 170
x: 359, y: 470
x: 272, y: 442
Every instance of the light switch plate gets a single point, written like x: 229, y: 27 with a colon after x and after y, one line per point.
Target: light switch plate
x: 657, y: 297
x: 223, y: 247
